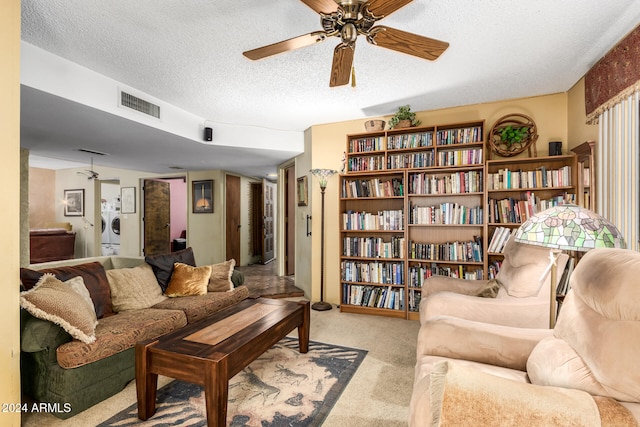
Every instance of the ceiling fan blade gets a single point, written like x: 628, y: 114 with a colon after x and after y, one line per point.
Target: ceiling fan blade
x: 342, y: 62
x: 322, y: 6
x: 382, y: 8
x: 409, y: 43
x: 286, y: 45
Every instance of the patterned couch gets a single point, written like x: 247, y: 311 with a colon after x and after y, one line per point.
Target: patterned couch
x: 74, y: 367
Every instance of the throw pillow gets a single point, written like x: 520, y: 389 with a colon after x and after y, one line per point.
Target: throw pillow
x: 134, y: 288
x: 77, y: 284
x: 162, y: 265
x: 220, y: 280
x: 490, y: 290
x: 187, y: 280
x: 50, y: 299
x: 93, y: 274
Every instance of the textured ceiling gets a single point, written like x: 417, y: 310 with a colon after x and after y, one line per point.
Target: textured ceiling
x: 188, y: 53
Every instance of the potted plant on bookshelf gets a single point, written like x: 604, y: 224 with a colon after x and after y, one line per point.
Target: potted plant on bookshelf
x: 403, y: 118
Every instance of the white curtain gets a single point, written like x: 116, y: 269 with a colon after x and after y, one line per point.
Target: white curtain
x: 618, y: 158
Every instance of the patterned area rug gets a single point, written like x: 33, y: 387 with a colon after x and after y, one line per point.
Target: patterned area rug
x: 281, y: 388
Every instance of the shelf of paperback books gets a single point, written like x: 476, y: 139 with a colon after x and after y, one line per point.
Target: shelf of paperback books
x: 518, y: 188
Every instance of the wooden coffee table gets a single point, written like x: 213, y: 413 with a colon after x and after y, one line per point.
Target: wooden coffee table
x: 211, y: 351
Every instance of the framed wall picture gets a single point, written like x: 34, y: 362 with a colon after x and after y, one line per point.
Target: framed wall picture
x: 202, y: 196
x: 302, y: 191
x: 74, y: 202
x: 128, y: 200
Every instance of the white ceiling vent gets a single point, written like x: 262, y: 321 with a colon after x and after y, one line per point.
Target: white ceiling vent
x: 138, y: 104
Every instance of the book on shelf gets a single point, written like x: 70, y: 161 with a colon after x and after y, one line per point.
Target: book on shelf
x: 373, y: 296
x: 410, y: 140
x: 373, y: 187
x: 565, y: 280
x: 373, y: 247
x: 499, y: 239
x: 460, y: 157
x: 365, y: 163
x: 506, y: 179
x: 512, y: 210
x: 469, y: 251
x: 445, y: 214
x: 358, y: 145
x: 391, y: 220
x: 455, y: 183
x: 465, y: 135
x: 382, y: 273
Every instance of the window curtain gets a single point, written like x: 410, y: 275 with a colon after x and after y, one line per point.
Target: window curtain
x: 612, y: 97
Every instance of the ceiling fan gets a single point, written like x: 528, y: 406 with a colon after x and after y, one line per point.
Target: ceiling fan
x: 90, y: 173
x: 347, y: 19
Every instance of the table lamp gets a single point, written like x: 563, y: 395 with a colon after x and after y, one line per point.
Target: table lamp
x: 567, y: 228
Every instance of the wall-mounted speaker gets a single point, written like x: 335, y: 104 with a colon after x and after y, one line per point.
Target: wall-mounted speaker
x: 208, y: 134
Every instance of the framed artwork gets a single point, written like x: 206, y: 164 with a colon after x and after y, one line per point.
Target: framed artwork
x: 128, y: 200
x: 74, y: 202
x: 302, y: 191
x: 202, y: 196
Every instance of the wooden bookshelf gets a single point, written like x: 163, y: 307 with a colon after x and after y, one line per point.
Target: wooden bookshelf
x: 586, y: 176
x: 517, y: 188
x: 395, y: 179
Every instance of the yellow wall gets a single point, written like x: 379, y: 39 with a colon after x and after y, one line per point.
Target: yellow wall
x: 10, y: 212
x: 328, y: 146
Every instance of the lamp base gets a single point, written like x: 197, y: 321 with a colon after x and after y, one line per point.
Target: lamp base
x: 321, y: 306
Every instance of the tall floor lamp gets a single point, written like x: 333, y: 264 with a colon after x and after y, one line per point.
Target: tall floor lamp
x: 322, y: 175
x: 567, y: 228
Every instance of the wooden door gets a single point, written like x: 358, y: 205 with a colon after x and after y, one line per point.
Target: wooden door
x: 232, y: 205
x: 290, y: 221
x: 268, y: 209
x: 157, y: 217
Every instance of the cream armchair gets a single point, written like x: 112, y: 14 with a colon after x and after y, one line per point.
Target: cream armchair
x: 522, y: 297
x: 584, y: 372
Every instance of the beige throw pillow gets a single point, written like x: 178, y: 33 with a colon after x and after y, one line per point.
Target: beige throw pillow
x: 52, y: 300
x: 220, y: 280
x: 134, y: 288
x: 77, y: 284
x: 187, y: 280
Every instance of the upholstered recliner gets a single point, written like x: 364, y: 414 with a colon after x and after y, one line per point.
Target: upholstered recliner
x: 522, y: 297
x: 584, y: 372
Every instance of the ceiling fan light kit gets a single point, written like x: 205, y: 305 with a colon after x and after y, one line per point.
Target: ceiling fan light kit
x: 348, y: 19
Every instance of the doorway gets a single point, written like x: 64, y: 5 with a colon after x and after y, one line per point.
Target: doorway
x: 164, y: 215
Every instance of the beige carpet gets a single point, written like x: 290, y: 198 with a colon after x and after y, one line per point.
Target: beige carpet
x: 377, y: 395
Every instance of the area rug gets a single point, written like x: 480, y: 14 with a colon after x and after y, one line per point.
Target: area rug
x: 281, y: 388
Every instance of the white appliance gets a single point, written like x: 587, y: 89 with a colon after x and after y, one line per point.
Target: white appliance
x: 114, y: 227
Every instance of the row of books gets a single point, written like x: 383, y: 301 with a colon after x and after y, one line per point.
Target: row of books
x: 499, y: 239
x: 366, y: 144
x: 511, y: 210
x: 410, y: 140
x: 455, y: 183
x: 372, y: 188
x: 445, y: 214
x: 469, y: 251
x: 418, y: 274
x: 493, y: 268
x: 391, y: 220
x: 460, y: 157
x: 381, y: 272
x: 542, y: 177
x: 373, y: 296
x: 410, y: 160
x: 459, y: 271
x: 459, y: 136
x: 415, y: 296
x: 373, y: 247
x: 565, y: 280
x: 365, y: 163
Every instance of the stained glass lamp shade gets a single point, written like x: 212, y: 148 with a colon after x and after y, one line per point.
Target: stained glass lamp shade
x: 568, y: 228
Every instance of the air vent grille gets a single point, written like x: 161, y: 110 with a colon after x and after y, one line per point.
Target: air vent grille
x: 139, y: 104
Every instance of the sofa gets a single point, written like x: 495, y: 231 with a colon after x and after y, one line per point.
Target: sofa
x: 51, y: 244
x: 80, y: 319
x: 584, y: 372
x: 516, y: 297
